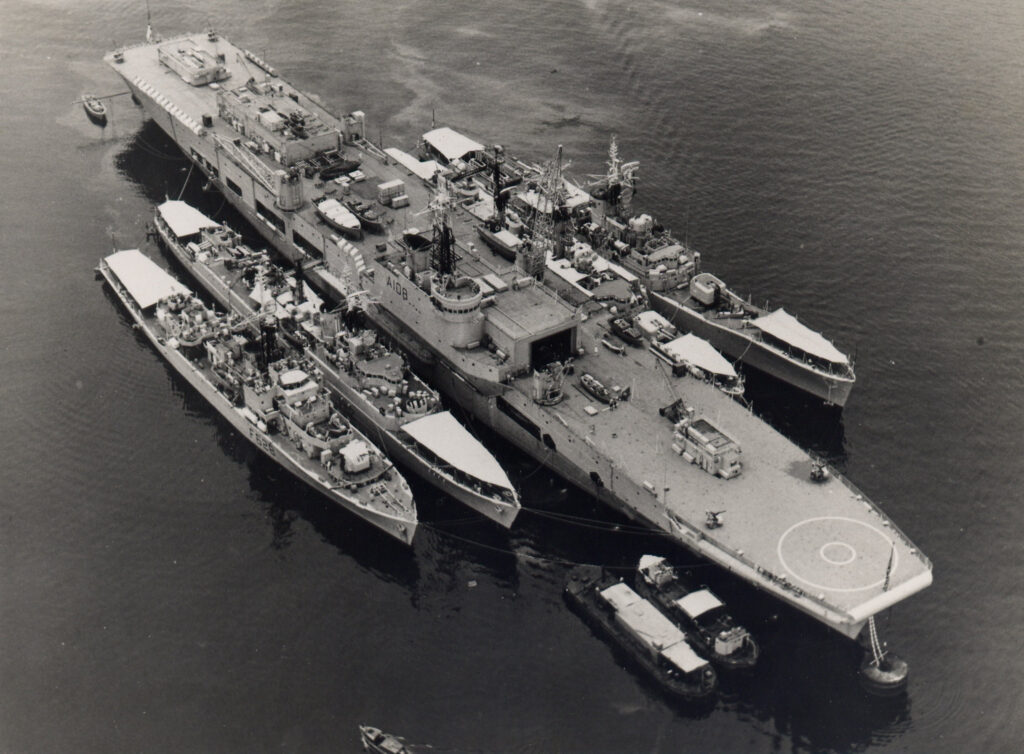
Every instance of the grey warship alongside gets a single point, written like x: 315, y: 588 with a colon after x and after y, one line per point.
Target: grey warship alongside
x: 384, y: 398
x: 274, y: 403
x: 697, y: 302
x: 502, y: 342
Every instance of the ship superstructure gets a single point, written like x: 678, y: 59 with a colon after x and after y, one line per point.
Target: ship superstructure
x: 525, y: 354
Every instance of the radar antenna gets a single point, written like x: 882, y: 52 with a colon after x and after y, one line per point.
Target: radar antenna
x: 617, y: 186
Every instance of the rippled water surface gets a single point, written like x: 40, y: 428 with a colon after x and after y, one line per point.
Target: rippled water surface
x: 163, y: 588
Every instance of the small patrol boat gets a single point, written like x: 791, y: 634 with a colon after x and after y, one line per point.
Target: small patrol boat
x: 698, y: 612
x: 636, y: 626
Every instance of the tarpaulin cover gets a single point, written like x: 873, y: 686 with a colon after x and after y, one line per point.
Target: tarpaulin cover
x: 784, y: 326
x: 183, y: 219
x: 145, y: 280
x: 443, y: 436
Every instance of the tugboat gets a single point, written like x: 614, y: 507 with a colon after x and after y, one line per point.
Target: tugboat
x: 699, y: 613
x: 95, y: 109
x: 650, y: 639
x: 271, y: 397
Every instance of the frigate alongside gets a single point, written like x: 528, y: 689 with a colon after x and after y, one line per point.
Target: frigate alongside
x: 372, y: 382
x: 272, y: 400
x: 522, y: 344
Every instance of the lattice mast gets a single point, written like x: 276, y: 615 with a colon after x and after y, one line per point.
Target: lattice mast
x: 442, y: 252
x: 546, y: 225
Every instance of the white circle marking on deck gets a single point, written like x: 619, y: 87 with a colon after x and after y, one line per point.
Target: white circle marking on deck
x: 834, y: 561
x: 869, y: 527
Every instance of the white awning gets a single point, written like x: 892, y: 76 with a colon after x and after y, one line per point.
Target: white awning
x: 443, y: 436
x: 509, y: 238
x: 619, y: 595
x: 784, y: 326
x: 699, y: 602
x: 145, y: 280
x: 683, y: 657
x: 451, y: 144
x: 424, y: 169
x: 647, y: 624
x: 184, y: 219
x: 700, y: 354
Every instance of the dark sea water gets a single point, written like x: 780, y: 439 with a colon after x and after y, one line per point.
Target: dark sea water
x: 163, y: 588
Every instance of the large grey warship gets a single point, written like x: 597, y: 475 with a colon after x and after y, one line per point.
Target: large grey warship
x: 539, y: 364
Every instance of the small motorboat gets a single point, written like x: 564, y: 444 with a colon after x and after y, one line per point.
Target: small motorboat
x: 593, y: 386
x: 377, y: 741
x: 95, y: 109
x: 339, y: 217
x: 626, y: 330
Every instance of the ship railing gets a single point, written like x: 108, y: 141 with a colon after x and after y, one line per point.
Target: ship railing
x: 779, y: 581
x: 373, y: 149
x: 258, y: 170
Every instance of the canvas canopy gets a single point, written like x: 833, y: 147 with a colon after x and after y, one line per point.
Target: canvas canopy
x: 683, y: 657
x: 509, y: 238
x: 451, y: 144
x: 697, y: 603
x: 619, y: 596
x: 647, y: 624
x: 183, y: 219
x: 699, y: 353
x: 784, y: 326
x: 424, y: 169
x: 443, y: 436
x: 145, y: 281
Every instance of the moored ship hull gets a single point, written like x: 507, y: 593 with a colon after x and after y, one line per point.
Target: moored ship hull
x: 402, y: 528
x: 832, y: 389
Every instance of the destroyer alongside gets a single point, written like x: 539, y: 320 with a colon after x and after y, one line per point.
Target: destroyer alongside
x: 371, y: 380
x: 510, y: 341
x: 275, y: 402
